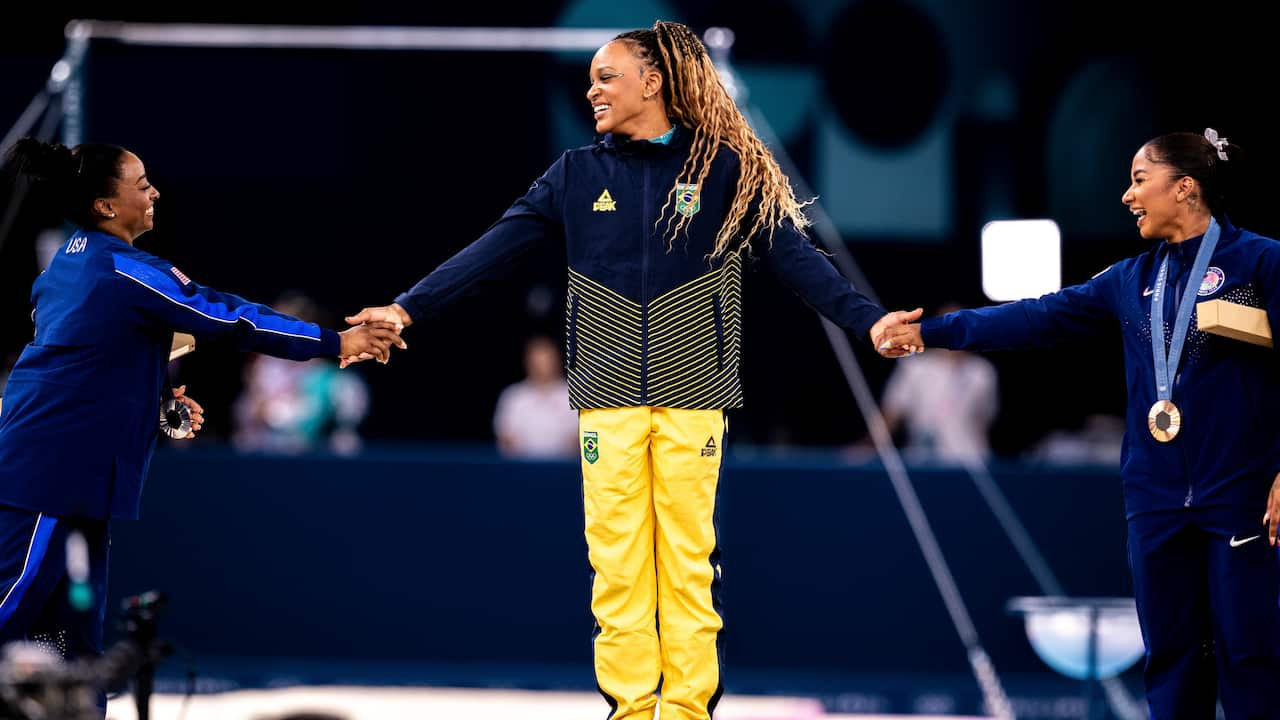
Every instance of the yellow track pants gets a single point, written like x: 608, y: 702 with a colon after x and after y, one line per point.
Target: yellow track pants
x: 649, y: 483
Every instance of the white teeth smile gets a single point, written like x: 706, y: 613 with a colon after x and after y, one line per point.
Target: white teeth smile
x: 1139, y: 213
x: 600, y: 108
x: 150, y: 211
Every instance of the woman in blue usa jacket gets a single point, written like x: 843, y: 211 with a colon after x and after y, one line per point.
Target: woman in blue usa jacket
x: 657, y: 218
x: 1202, y: 445
x: 81, y: 406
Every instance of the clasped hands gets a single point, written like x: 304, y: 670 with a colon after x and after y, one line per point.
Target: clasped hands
x: 375, y: 331
x: 897, y: 334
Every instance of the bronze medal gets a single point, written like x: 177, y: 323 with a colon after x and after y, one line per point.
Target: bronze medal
x: 1164, y: 420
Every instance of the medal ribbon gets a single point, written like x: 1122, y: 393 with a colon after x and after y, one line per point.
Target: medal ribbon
x: 1167, y: 367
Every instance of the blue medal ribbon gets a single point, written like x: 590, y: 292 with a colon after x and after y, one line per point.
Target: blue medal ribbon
x: 1167, y: 367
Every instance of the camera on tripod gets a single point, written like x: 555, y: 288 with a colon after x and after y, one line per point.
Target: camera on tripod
x: 36, y: 683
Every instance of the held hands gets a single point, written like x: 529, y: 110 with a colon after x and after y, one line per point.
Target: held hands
x: 371, y: 340
x: 386, y: 319
x: 1272, y: 519
x: 892, y: 326
x: 197, y: 412
x: 901, y: 340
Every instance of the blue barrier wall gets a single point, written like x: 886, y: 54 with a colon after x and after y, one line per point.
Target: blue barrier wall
x: 458, y: 558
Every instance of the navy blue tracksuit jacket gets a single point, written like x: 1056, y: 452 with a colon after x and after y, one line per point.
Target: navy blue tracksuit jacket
x: 649, y: 319
x: 1228, y: 450
x: 1204, y: 577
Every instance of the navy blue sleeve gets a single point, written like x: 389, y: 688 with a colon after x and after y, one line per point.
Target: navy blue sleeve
x: 809, y: 274
x: 531, y: 221
x: 163, y: 296
x: 1079, y: 312
x: 1269, y: 282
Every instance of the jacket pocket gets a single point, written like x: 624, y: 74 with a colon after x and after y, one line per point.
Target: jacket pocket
x: 719, y: 323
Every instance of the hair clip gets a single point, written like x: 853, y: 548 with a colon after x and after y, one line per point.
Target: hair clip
x: 1221, y: 144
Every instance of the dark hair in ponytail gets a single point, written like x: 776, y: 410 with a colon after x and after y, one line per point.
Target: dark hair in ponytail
x: 1207, y: 159
x: 75, y: 177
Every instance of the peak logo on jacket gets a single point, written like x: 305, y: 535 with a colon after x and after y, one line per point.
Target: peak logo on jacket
x: 604, y: 203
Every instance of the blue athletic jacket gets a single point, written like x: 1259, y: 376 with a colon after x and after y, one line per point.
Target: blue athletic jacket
x: 1228, y: 391
x: 82, y: 405
x: 649, y: 320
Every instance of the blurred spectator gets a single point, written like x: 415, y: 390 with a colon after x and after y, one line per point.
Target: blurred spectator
x: 1096, y: 442
x: 533, y: 418
x: 291, y: 407
x: 945, y: 401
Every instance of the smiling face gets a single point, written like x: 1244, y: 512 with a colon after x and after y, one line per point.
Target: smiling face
x: 130, y: 212
x: 1157, y: 195
x: 626, y: 96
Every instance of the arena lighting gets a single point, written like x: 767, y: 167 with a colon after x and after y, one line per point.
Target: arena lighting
x: 1021, y: 259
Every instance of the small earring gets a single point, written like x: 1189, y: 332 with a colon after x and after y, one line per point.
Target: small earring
x: 647, y: 96
x: 112, y: 216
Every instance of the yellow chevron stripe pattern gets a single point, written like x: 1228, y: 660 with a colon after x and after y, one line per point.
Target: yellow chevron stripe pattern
x: 694, y: 342
x: 604, y: 337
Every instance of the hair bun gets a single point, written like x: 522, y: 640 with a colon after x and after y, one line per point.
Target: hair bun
x: 42, y: 160
x: 1220, y: 144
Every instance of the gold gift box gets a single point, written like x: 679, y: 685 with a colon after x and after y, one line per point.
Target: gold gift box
x: 182, y: 344
x: 1238, y: 322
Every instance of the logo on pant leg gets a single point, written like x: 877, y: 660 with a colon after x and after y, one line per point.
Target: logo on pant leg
x: 709, y: 450
x: 590, y: 447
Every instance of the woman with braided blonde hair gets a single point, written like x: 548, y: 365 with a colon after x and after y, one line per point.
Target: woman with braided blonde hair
x: 696, y: 99
x: 656, y: 217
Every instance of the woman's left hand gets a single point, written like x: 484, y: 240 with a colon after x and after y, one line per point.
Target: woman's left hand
x: 197, y: 412
x: 1272, y: 519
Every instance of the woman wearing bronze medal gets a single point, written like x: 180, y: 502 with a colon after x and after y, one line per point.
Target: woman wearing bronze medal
x: 1201, y: 450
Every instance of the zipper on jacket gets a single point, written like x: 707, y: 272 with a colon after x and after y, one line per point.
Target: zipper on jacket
x: 1186, y: 464
x: 571, y: 351
x: 644, y: 286
x: 1191, y: 486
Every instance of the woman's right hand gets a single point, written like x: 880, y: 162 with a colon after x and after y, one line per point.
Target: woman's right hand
x: 901, y: 340
x: 373, y: 340
x: 388, y: 315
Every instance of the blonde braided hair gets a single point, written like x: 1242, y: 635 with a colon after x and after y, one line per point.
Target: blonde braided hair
x: 696, y: 98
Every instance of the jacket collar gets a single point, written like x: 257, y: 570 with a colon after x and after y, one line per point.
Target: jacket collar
x: 679, y: 141
x: 1189, y: 247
